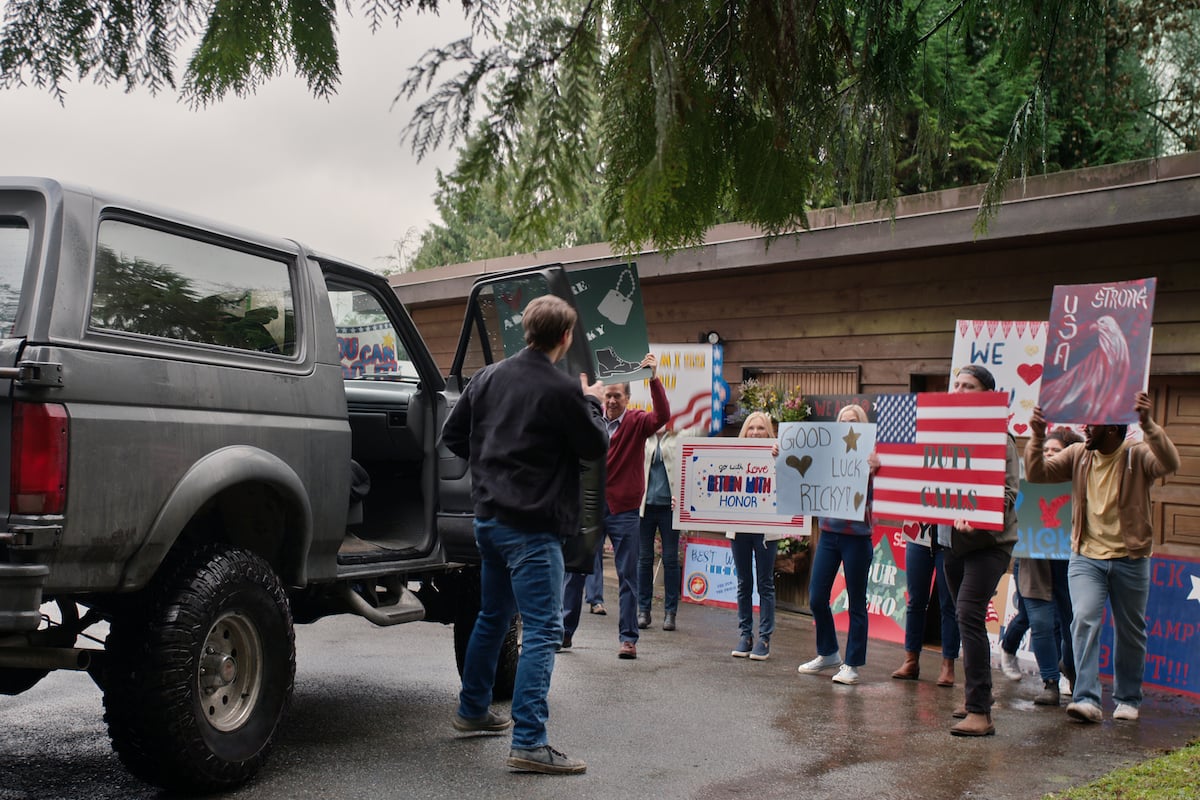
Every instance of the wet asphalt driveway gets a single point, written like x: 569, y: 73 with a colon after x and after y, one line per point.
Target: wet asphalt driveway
x: 370, y: 719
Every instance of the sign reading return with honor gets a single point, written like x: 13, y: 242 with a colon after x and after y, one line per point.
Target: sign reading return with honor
x: 729, y: 485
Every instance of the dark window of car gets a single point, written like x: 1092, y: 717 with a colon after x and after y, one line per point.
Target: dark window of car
x: 162, y: 284
x: 14, y: 246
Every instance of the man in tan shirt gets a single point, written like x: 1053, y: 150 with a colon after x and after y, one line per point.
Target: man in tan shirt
x: 1111, y: 541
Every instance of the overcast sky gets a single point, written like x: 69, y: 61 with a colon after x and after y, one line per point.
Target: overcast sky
x: 330, y: 173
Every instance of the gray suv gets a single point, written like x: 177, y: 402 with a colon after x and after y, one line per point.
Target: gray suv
x: 206, y: 436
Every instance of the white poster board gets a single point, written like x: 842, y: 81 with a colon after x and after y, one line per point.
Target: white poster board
x: 729, y: 485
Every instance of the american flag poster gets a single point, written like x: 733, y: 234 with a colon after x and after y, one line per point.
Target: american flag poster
x: 942, y: 457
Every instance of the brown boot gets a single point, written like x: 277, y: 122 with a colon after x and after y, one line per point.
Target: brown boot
x: 974, y: 725
x: 946, y: 674
x: 960, y: 712
x: 910, y: 670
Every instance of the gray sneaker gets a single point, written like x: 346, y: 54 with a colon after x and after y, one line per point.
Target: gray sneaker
x: 491, y: 722
x: 545, y: 759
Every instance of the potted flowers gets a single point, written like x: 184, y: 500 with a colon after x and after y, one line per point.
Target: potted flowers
x: 786, y: 406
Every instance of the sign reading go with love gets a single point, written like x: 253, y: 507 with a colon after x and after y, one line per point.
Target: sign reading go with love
x: 1013, y: 353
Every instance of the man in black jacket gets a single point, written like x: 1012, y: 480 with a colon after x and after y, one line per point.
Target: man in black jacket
x: 524, y: 426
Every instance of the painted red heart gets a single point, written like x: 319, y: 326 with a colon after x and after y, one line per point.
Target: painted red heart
x: 912, y: 529
x: 1020, y: 427
x: 1029, y: 372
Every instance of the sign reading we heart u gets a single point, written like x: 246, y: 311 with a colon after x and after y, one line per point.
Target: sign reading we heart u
x: 1013, y: 353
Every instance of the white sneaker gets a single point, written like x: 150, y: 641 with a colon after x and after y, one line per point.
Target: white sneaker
x: 1009, y: 666
x: 847, y: 675
x: 1126, y: 712
x: 819, y: 664
x: 1085, y: 712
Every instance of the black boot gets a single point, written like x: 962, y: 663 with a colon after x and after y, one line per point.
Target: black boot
x: 1049, y: 694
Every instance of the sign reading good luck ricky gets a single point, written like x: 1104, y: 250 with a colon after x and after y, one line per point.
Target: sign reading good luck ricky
x: 822, y: 468
x: 729, y: 485
x: 942, y: 457
x: 1097, y: 352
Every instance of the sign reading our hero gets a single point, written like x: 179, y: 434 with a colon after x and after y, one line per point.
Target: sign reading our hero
x: 1097, y: 352
x: 1013, y: 353
x: 822, y: 468
x: 729, y: 485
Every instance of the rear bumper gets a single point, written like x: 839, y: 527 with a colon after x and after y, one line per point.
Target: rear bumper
x: 21, y: 596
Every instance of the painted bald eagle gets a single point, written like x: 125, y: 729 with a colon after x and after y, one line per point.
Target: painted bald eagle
x: 1094, y: 390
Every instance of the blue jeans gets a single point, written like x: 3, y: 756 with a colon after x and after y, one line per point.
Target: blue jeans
x: 754, y: 556
x: 921, y: 566
x: 521, y: 572
x: 852, y: 552
x: 593, y: 584
x: 621, y: 530
x: 656, y: 517
x: 1125, y: 584
x: 1010, y: 641
x: 1050, y: 625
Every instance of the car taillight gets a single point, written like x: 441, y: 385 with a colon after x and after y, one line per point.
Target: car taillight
x: 39, y: 458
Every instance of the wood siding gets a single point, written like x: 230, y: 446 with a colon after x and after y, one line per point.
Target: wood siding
x: 840, y: 299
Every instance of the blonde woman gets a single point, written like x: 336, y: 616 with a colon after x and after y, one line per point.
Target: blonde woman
x: 754, y: 560
x: 847, y: 545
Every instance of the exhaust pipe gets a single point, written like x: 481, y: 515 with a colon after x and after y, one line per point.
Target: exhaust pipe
x: 74, y: 658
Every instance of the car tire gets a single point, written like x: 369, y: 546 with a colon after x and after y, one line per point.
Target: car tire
x: 510, y: 654
x: 198, y: 676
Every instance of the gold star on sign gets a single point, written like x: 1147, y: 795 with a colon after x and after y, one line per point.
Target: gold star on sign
x: 851, y: 440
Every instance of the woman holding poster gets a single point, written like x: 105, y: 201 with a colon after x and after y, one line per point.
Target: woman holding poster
x: 754, y: 560
x: 975, y: 562
x: 846, y: 544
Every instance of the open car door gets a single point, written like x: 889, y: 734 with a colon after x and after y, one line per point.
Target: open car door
x: 491, y: 332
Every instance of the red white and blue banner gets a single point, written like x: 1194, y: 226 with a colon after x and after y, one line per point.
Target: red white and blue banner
x: 942, y: 457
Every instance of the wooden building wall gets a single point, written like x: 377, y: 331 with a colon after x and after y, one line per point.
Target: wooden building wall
x: 880, y: 304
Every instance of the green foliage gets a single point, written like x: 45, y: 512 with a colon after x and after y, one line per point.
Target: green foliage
x: 689, y: 112
x: 1170, y: 777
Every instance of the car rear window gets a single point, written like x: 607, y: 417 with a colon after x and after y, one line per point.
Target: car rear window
x: 14, y: 247
x: 159, y: 283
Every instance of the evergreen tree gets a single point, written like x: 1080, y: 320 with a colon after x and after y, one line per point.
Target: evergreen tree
x: 693, y: 111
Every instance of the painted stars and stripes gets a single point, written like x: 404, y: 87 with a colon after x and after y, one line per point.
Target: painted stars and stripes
x: 942, y: 457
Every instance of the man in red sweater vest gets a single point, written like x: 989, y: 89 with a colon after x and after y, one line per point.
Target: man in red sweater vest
x: 628, y: 430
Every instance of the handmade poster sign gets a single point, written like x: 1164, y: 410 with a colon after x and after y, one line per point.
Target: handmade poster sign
x: 609, y: 300
x: 709, y: 574
x: 1013, y: 352
x: 1043, y: 521
x: 1097, y: 352
x: 509, y: 299
x: 942, y: 457
x: 822, y: 468
x: 826, y: 407
x: 729, y: 485
x: 686, y: 372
